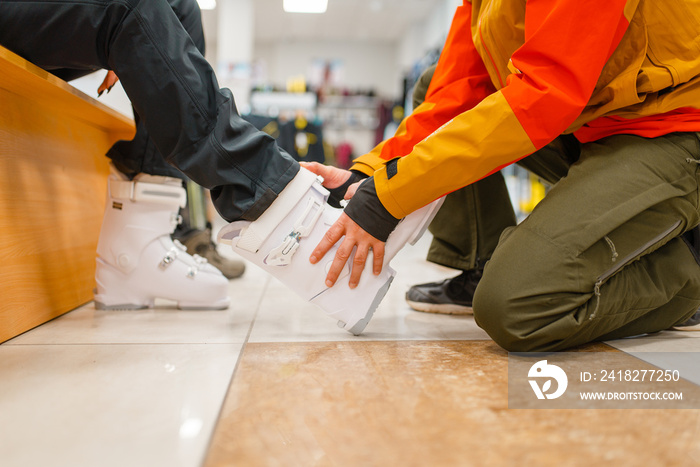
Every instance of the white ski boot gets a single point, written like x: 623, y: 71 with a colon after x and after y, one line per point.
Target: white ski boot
x: 283, y: 238
x: 137, y: 259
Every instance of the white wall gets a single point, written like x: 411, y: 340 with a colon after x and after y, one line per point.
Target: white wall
x: 235, y: 48
x: 116, y: 98
x: 366, y: 64
x: 428, y: 34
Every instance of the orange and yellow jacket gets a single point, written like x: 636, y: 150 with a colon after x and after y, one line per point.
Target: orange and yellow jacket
x: 514, y: 75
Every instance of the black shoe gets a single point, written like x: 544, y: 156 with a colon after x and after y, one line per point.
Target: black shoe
x: 451, y: 296
x: 691, y: 324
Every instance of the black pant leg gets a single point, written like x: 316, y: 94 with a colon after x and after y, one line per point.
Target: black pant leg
x: 140, y: 154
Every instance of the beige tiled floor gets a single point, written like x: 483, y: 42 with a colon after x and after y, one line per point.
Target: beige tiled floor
x: 418, y: 403
x: 272, y: 381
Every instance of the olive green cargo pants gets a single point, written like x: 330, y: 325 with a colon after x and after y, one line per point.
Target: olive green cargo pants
x: 599, y: 258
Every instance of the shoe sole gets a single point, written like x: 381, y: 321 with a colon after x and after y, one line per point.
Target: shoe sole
x: 441, y: 309
x: 695, y: 327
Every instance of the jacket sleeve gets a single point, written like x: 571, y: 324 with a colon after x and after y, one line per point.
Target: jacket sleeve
x: 450, y: 144
x: 459, y: 83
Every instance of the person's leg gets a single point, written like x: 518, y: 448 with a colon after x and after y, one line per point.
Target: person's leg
x: 139, y: 155
x: 465, y: 233
x: 469, y: 223
x: 192, y: 122
x: 600, y: 257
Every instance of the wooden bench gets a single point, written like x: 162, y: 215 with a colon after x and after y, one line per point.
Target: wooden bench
x: 52, y: 192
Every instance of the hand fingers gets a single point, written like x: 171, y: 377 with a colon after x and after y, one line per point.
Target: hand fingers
x: 331, y: 237
x: 324, y: 171
x: 333, y: 177
x: 358, y: 265
x: 351, y: 190
x: 107, y: 84
x: 339, y: 261
x: 378, y: 261
x: 362, y: 254
x: 111, y: 78
x: 314, y: 167
x: 355, y: 239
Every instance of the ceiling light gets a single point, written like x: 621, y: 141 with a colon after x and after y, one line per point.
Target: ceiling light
x: 305, y: 6
x: 207, y: 4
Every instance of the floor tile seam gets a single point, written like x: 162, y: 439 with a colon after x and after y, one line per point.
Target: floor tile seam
x: 613, y: 346
x: 216, y: 420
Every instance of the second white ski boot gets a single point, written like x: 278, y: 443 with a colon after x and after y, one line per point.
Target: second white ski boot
x: 138, y: 260
x: 283, y: 238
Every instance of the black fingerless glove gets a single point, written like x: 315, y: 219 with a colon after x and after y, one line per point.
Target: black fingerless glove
x: 367, y: 211
x: 338, y: 193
